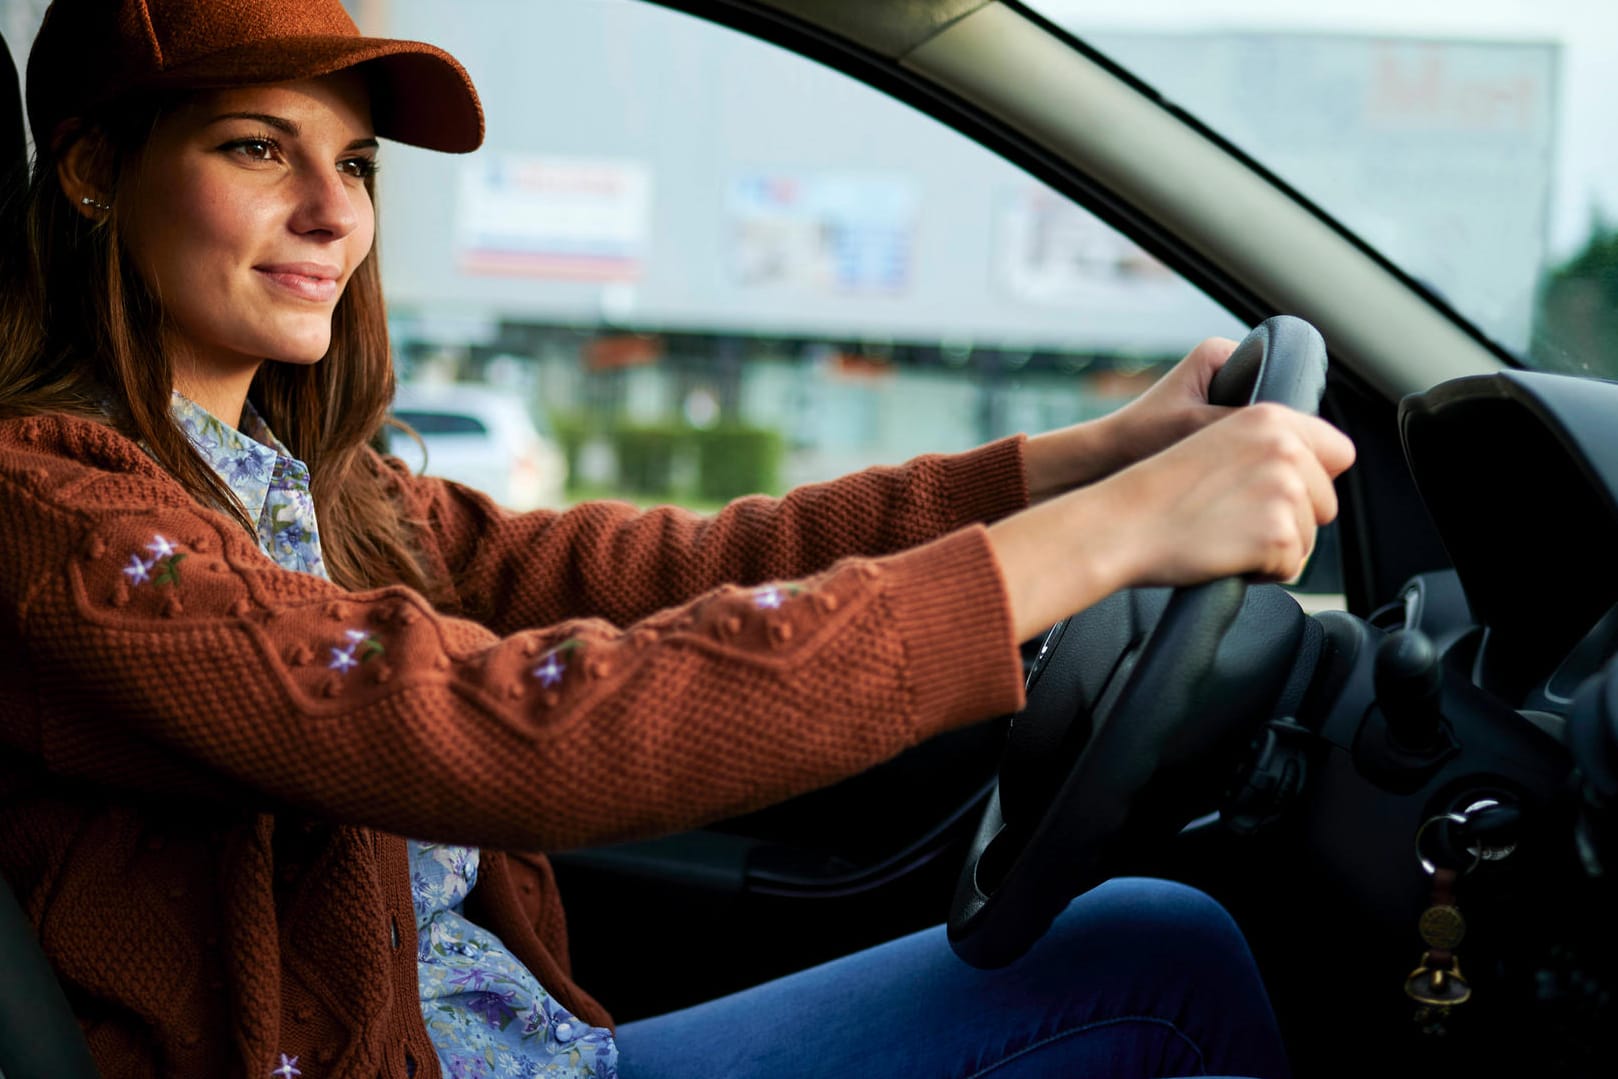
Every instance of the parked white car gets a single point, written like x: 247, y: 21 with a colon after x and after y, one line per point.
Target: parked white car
x: 481, y: 436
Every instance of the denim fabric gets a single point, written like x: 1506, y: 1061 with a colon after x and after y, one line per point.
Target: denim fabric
x: 1135, y: 978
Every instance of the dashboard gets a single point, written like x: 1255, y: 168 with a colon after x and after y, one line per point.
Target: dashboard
x: 1519, y: 471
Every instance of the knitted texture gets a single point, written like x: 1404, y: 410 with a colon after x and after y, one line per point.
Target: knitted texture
x: 208, y: 759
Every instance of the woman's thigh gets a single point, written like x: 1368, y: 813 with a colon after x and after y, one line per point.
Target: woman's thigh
x: 1135, y: 978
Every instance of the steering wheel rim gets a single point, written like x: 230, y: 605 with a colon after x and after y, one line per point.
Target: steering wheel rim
x: 1020, y: 873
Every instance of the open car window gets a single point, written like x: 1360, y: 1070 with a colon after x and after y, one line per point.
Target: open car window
x: 719, y: 268
x: 712, y: 267
x: 1469, y: 143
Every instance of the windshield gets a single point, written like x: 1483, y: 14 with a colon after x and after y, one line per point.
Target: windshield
x: 1472, y: 144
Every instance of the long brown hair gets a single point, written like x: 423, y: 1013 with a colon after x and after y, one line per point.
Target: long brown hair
x: 80, y: 334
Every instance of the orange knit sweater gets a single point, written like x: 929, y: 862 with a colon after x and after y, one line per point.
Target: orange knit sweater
x: 200, y: 804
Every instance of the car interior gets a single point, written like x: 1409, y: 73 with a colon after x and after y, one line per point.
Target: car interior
x: 1446, y: 741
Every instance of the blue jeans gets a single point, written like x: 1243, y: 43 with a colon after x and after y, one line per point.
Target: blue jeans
x: 1136, y: 978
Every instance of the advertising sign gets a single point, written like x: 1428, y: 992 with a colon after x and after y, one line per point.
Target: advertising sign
x: 576, y: 218
x: 827, y: 232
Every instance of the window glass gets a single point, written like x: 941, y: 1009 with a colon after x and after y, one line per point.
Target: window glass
x: 718, y: 268
x: 1470, y: 143
x: 440, y: 423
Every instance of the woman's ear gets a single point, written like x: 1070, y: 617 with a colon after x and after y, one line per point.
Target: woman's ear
x: 83, y: 171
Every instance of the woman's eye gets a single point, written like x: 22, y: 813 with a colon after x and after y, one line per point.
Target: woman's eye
x: 254, y: 149
x: 361, y: 168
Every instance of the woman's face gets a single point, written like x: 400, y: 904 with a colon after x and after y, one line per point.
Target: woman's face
x: 247, y: 215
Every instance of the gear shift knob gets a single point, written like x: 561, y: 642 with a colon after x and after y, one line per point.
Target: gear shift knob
x: 1409, y: 684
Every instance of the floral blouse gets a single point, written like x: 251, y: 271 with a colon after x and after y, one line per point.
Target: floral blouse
x: 486, y: 1014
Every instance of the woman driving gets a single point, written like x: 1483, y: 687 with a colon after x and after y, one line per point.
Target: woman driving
x: 285, y: 725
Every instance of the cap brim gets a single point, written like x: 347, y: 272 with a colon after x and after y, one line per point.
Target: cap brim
x: 421, y: 94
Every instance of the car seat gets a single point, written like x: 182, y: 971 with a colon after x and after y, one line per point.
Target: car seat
x: 39, y: 1037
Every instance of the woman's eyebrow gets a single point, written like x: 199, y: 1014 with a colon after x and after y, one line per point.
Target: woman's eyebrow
x: 287, y: 127
x: 280, y: 123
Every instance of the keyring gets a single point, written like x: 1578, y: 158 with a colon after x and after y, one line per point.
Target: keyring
x: 1430, y: 867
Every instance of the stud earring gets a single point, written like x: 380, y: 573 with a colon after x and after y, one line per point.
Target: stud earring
x: 92, y: 201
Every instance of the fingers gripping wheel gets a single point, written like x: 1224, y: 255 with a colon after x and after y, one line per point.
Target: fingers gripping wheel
x: 1076, y: 788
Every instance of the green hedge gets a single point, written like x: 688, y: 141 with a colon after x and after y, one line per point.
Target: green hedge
x: 726, y: 462
x: 646, y: 458
x: 733, y: 461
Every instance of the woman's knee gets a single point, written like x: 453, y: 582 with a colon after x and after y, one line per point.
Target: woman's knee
x: 1151, y: 922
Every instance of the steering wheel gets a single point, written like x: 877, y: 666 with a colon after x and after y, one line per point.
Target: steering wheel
x: 1127, y: 704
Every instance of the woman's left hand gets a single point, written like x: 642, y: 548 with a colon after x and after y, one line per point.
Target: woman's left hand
x: 1175, y: 406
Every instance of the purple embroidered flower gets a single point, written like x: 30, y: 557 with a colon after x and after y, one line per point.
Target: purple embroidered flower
x: 162, y: 568
x: 361, y: 647
x: 137, y: 571
x: 549, y: 673
x: 767, y: 598
x: 288, y: 1068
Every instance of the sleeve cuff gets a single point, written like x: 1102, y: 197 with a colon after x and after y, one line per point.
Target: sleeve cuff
x: 950, y: 602
x: 987, y: 483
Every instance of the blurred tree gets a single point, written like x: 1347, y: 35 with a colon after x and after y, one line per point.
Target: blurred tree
x: 1576, y: 325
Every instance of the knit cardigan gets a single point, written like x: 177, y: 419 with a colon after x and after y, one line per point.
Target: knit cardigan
x: 201, y: 804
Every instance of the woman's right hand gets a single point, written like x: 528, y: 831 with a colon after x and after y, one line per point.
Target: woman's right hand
x: 1242, y: 496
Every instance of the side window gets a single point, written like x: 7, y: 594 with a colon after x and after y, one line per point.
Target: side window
x: 713, y: 267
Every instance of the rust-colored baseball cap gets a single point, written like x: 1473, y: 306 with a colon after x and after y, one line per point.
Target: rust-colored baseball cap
x: 91, y: 53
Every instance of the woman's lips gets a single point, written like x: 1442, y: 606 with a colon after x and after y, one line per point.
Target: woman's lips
x: 305, y: 281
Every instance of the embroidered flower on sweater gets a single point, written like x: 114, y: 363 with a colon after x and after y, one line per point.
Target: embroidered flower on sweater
x: 288, y: 1069
x: 361, y: 646
x: 550, y: 671
x: 771, y: 596
x: 162, y: 568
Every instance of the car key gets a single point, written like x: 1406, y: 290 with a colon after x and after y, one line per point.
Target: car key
x: 1437, y: 984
